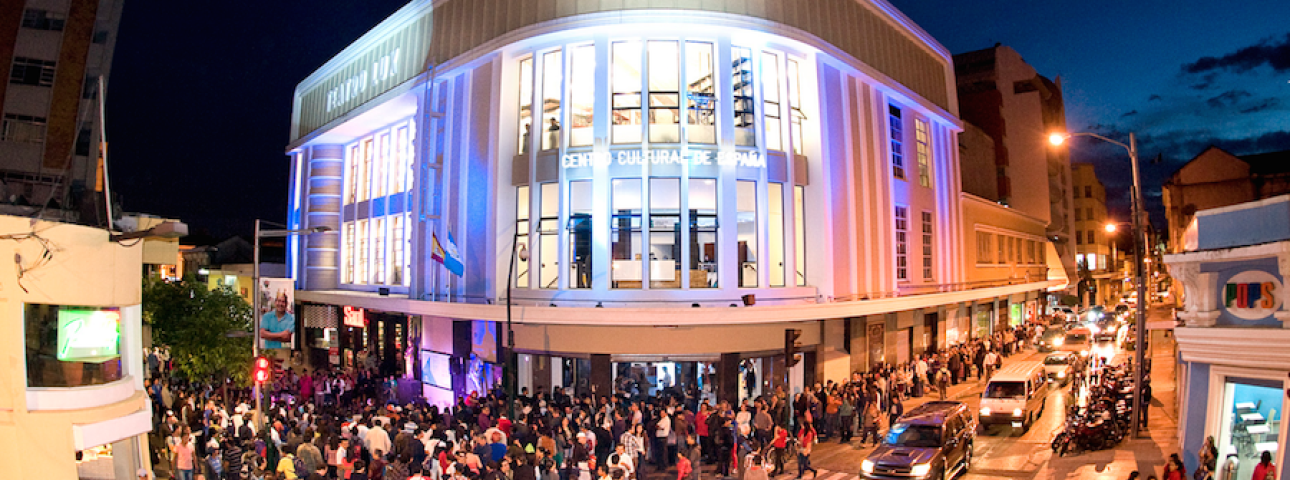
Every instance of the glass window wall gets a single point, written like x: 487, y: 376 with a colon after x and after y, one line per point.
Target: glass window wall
x: 701, y: 93
x: 770, y: 101
x: 551, y: 87
x: 664, y: 92
x: 625, y: 206
x: 703, y: 233
x: 522, y: 239
x: 775, y: 215
x: 664, y: 232
x: 579, y: 234
x: 626, y: 78
x: 741, y: 83
x: 526, y: 104
x: 582, y: 95
x: 549, y: 237
x: 1251, y: 424
x: 746, y: 218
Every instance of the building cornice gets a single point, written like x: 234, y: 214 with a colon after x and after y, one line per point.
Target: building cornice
x: 1262, y: 348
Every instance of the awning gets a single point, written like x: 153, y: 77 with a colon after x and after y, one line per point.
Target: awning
x: 1056, y: 271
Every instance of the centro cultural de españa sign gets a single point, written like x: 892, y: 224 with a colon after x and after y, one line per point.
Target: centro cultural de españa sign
x: 92, y: 336
x: 692, y: 158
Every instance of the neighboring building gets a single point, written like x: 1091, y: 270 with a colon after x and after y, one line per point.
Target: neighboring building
x: 1216, y: 178
x: 1233, y: 369
x: 49, y: 131
x: 74, y: 381
x: 1016, y: 108
x: 230, y: 263
x: 685, y: 184
x: 1095, y: 247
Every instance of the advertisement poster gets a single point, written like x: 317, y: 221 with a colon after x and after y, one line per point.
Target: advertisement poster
x: 277, y: 313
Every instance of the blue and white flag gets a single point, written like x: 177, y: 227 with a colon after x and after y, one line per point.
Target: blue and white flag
x: 452, y: 258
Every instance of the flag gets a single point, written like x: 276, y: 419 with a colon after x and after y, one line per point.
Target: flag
x: 436, y: 250
x: 452, y: 259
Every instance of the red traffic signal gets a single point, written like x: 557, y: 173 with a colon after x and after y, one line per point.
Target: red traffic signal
x: 262, y: 370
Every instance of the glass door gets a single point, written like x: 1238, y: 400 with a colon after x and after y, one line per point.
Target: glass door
x: 1250, y: 423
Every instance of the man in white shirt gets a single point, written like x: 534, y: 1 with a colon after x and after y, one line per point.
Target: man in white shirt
x: 377, y: 438
x: 661, y: 432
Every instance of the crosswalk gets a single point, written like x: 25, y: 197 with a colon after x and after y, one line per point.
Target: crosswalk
x: 821, y: 474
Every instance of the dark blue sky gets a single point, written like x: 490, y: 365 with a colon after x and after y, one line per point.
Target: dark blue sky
x: 200, y: 96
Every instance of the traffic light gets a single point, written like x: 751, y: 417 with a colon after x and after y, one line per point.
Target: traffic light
x: 262, y: 370
x: 791, y: 345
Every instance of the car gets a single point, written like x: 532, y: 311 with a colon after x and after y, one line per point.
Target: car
x: 1058, y: 367
x: 932, y: 441
x: 1051, y: 339
x: 1107, y: 332
x: 1077, y: 341
x: 1016, y: 395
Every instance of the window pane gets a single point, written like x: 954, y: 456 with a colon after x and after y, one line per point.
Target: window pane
x: 352, y: 161
x: 360, y: 265
x: 626, y: 79
x: 924, y: 153
x: 396, y: 250
x: 381, y: 166
x: 664, y: 92
x: 775, y: 215
x: 579, y: 235
x: 526, y: 104
x: 625, y: 206
x: 741, y: 84
x: 348, y: 257
x: 703, y: 233
x: 60, y: 354
x: 522, y: 242
x: 551, y: 86
x: 702, y: 94
x: 795, y: 104
x: 896, y: 131
x: 549, y: 235
x: 746, y: 209
x: 927, y: 245
x: 799, y: 233
x: 378, y: 249
x: 902, y: 243
x: 582, y: 95
x: 770, y: 99
x: 365, y: 171
x: 665, y: 230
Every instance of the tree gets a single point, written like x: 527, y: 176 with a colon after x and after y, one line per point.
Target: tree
x: 196, y: 323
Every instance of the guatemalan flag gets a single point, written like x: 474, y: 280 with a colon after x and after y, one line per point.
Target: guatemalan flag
x: 447, y: 254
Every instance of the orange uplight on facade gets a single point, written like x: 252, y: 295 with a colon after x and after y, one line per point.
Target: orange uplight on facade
x: 1057, y: 138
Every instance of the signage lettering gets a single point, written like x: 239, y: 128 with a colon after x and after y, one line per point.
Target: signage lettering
x: 354, y: 317
x: 1251, y: 295
x: 664, y: 157
x: 381, y: 71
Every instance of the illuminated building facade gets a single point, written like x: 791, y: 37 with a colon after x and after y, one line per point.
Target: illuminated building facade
x: 681, y: 181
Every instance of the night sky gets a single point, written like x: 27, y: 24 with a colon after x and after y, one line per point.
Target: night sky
x: 199, y: 102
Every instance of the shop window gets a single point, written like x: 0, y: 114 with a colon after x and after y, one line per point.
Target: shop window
x: 72, y: 346
x: 549, y: 237
x: 347, y: 259
x: 551, y: 86
x: 927, y: 245
x: 1251, y: 423
x: 626, y: 79
x: 701, y: 94
x: 799, y: 233
x: 741, y: 84
x: 923, y: 140
x: 770, y: 101
x: 902, y: 244
x: 896, y: 129
x: 795, y: 106
x: 746, y: 225
x: 775, y: 234
x: 378, y: 251
x: 526, y: 105
x: 522, y: 239
x: 360, y: 270
x: 625, y: 205
x: 664, y: 92
x: 582, y: 95
x: 579, y: 234
x: 702, y: 198
x: 664, y: 232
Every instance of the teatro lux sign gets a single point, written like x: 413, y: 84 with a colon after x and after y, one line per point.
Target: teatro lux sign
x: 692, y: 158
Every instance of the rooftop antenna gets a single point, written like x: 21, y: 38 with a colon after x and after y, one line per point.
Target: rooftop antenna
x: 103, y: 165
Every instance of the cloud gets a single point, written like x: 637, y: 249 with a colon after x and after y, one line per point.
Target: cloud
x: 1272, y: 51
x: 1267, y: 103
x: 1206, y: 81
x: 1154, y: 98
x: 1227, y: 99
x: 1129, y: 113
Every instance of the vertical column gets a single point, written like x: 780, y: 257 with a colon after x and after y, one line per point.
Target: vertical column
x: 323, y: 188
x: 601, y: 378
x: 728, y: 378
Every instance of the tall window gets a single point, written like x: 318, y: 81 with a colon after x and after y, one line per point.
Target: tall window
x: 927, y: 245
x: 23, y: 128
x: 551, y: 86
x: 625, y: 234
x: 522, y: 240
x: 664, y: 92
x: 380, y: 166
x: 924, y: 152
x: 902, y: 243
x: 352, y: 161
x: 403, y: 160
x: 360, y: 271
x: 549, y: 237
x: 396, y: 249
x: 579, y: 234
x: 775, y: 215
x: 1089, y: 237
x: 365, y: 170
x: 741, y: 83
x: 32, y: 71
x: 664, y: 232
x: 795, y: 106
x: 703, y: 233
x: 896, y: 130
x: 701, y: 94
x: 626, y: 78
x: 984, y: 245
x: 378, y: 249
x: 1079, y: 214
x: 1079, y: 237
x: 799, y: 233
x: 770, y: 99
x: 746, y: 218
x: 348, y: 257
x: 582, y: 95
x: 526, y: 105
x: 1001, y: 254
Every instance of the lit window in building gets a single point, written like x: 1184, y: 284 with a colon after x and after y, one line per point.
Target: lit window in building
x: 664, y: 232
x: 984, y: 246
x: 365, y: 170
x: 351, y: 180
x: 927, y: 245
x: 770, y: 100
x: 582, y: 95
x: 381, y: 166
x: 360, y: 265
x: 1002, y: 252
x: 522, y: 240
x: 664, y: 92
x: 795, y: 106
x: 403, y: 160
x: 741, y: 84
x: 347, y: 259
x: 397, y: 245
x: 775, y: 234
x: 625, y: 206
x: 626, y: 79
x: 549, y: 237
x: 378, y: 250
x: 746, y: 218
x: 552, y: 84
x: 902, y: 243
x: 579, y: 234
x: 703, y: 233
x: 896, y: 129
x: 701, y: 93
x: 924, y: 152
x: 799, y: 233
x: 526, y: 105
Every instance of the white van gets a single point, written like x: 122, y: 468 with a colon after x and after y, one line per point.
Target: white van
x: 1015, y: 395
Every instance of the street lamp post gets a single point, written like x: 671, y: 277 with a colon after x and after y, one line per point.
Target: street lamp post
x: 1139, y: 248
x: 512, y: 362
x: 255, y: 296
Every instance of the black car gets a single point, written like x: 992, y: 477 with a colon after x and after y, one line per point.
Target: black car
x: 932, y: 441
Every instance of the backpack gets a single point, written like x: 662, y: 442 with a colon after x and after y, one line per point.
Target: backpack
x: 299, y: 465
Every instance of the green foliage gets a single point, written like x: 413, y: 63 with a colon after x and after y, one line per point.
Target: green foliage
x: 194, y: 321
x: 1069, y: 300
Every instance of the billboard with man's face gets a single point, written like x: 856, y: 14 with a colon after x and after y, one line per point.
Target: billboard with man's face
x: 277, y: 313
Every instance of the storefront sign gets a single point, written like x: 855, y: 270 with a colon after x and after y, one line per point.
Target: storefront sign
x: 664, y: 157
x: 355, y: 317
x: 1252, y: 295
x: 88, y: 335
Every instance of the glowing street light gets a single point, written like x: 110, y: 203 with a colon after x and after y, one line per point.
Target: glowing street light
x: 1111, y: 227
